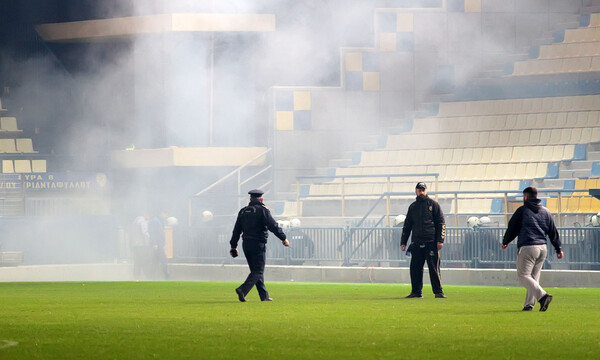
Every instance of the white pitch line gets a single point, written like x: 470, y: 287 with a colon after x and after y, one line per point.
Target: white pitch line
x: 7, y: 343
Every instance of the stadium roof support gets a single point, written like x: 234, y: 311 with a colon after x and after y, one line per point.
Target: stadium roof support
x: 188, y: 156
x: 111, y: 29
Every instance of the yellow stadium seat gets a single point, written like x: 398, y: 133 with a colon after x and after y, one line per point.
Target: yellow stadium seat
x: 484, y: 138
x: 571, y: 119
x: 511, y: 122
x: 548, y: 151
x: 38, y: 166
x: 593, y: 119
x: 552, y: 204
x: 582, y: 118
x: 581, y: 184
x: 595, y: 63
x: 7, y: 146
x: 524, y: 136
x: 557, y: 152
x: 457, y: 156
x: 595, y: 205
x: 595, y: 137
x: 9, y: 124
x: 8, y: 167
x: 569, y: 152
x: 576, y: 136
x: 520, y: 154
x: 467, y: 155
x: 585, y: 204
x: 572, y: 204
x: 22, y: 166
x: 25, y: 146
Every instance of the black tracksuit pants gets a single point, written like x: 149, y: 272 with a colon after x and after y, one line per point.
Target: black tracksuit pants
x: 421, y: 252
x: 255, y: 253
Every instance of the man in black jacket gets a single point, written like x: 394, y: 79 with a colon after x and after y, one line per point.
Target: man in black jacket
x: 253, y: 223
x: 426, y: 222
x: 531, y: 223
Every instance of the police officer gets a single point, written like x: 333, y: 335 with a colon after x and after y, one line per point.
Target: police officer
x: 426, y: 222
x: 252, y: 223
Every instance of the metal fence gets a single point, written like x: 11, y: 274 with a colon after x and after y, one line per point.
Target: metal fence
x: 380, y: 246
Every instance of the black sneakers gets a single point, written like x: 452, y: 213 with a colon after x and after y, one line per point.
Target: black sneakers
x: 267, y: 299
x: 440, y: 296
x: 240, y: 294
x: 545, y: 301
x: 414, y: 296
x: 528, y: 308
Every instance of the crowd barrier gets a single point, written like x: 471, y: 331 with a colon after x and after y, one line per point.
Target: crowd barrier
x: 464, y: 247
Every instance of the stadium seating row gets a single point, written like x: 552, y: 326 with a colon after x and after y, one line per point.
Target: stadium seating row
x: 555, y: 66
x: 553, y: 120
x: 594, y: 20
x: 9, y: 124
x: 519, y: 106
x: 335, y: 188
x: 574, y: 204
x: 468, y: 155
x: 586, y: 34
x: 562, y: 50
x: 591, y: 183
x: 23, y: 146
x: 23, y: 166
x: 471, y: 206
x: 511, y: 171
x: 494, y: 138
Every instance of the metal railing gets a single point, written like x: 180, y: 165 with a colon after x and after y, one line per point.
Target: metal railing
x: 480, y: 194
x: 239, y: 181
x: 380, y: 246
x: 388, y: 182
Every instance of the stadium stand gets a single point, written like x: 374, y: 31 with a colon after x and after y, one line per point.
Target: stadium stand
x: 9, y: 124
x: 484, y: 145
x: 578, y: 52
x: 479, y: 146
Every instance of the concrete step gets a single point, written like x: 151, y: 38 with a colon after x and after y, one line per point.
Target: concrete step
x: 577, y: 165
x: 549, y: 183
x: 340, y: 162
x: 594, y: 8
x: 573, y: 23
x: 574, y: 174
x: 547, y: 39
x: 593, y: 155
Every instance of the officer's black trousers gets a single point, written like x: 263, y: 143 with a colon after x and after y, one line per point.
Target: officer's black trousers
x: 419, y: 254
x: 255, y: 253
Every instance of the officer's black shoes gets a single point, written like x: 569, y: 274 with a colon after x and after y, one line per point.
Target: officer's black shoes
x: 545, y: 301
x: 240, y: 294
x: 527, y: 308
x: 440, y: 296
x: 414, y: 296
x: 267, y: 299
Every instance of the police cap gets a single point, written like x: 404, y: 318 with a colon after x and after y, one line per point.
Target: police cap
x: 421, y: 185
x: 256, y: 193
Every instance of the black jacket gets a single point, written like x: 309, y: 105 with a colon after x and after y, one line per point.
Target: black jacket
x: 253, y: 223
x: 425, y: 220
x: 531, y: 223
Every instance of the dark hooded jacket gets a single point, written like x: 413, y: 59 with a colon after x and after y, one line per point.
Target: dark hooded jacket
x: 531, y: 223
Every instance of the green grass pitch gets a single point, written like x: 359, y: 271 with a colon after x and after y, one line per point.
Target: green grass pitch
x: 204, y: 320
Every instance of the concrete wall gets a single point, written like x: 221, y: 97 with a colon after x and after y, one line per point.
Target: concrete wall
x: 200, y: 272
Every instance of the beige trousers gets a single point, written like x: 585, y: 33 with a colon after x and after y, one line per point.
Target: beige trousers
x: 529, y: 265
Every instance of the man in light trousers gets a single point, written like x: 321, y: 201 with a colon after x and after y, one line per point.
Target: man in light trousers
x: 532, y: 223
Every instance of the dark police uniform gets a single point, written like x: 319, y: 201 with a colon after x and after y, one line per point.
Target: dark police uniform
x: 426, y: 222
x: 253, y: 223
